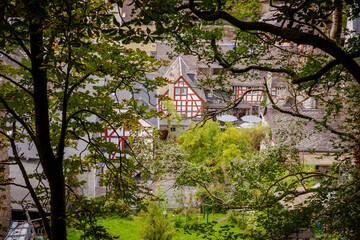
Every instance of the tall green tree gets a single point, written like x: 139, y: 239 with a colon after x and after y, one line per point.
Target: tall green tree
x: 208, y: 144
x: 205, y: 155
x: 61, y: 61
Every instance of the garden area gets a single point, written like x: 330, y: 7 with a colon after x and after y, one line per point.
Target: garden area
x: 203, y: 222
x: 169, y: 226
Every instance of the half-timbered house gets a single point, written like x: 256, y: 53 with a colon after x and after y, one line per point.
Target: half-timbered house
x: 183, y: 90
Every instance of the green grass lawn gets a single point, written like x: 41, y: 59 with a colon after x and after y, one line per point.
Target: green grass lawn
x: 126, y: 228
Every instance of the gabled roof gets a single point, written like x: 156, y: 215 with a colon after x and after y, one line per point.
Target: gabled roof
x: 179, y: 68
x: 180, y: 64
x: 126, y: 11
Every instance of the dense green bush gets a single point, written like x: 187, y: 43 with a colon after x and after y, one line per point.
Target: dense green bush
x: 240, y: 219
x: 156, y: 225
x: 209, y: 231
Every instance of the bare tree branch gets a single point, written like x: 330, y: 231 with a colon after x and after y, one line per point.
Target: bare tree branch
x: 14, y: 184
x: 27, y: 182
x: 289, y: 34
x: 15, y: 61
x: 19, y: 119
x: 17, y: 84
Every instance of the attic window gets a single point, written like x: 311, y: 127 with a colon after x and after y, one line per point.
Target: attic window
x: 180, y: 91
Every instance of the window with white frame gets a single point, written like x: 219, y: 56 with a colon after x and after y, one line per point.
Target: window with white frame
x: 180, y: 91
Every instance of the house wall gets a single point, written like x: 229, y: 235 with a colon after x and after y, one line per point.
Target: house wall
x: 5, y: 200
x: 19, y: 193
x: 251, y: 97
x: 89, y: 187
x: 319, y: 159
x: 150, y: 48
x: 119, y: 136
x: 186, y: 101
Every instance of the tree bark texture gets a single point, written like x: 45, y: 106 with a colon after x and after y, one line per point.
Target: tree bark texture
x: 336, y: 26
x: 52, y: 166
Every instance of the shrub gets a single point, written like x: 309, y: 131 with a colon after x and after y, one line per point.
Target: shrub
x: 237, y: 218
x: 208, y: 231
x: 156, y: 224
x: 178, y: 220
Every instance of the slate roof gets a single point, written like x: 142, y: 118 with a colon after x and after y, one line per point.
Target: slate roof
x: 126, y: 11
x: 194, y: 85
x: 318, y: 141
x: 145, y: 96
x: 18, y: 55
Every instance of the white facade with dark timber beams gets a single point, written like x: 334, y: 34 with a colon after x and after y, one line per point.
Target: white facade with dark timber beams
x: 250, y: 97
x: 187, y: 102
x: 186, y: 96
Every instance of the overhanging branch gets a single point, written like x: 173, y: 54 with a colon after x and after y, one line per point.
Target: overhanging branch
x: 296, y: 80
x: 290, y: 34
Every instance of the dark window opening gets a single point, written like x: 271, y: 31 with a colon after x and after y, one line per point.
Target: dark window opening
x: 217, y: 71
x: 153, y: 54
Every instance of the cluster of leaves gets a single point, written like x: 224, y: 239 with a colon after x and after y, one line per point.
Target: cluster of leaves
x: 254, y: 180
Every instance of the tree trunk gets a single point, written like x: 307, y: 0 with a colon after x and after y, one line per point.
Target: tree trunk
x: 57, y: 202
x: 336, y: 27
x: 52, y: 165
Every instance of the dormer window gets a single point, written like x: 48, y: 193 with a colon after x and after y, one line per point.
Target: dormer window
x: 280, y: 90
